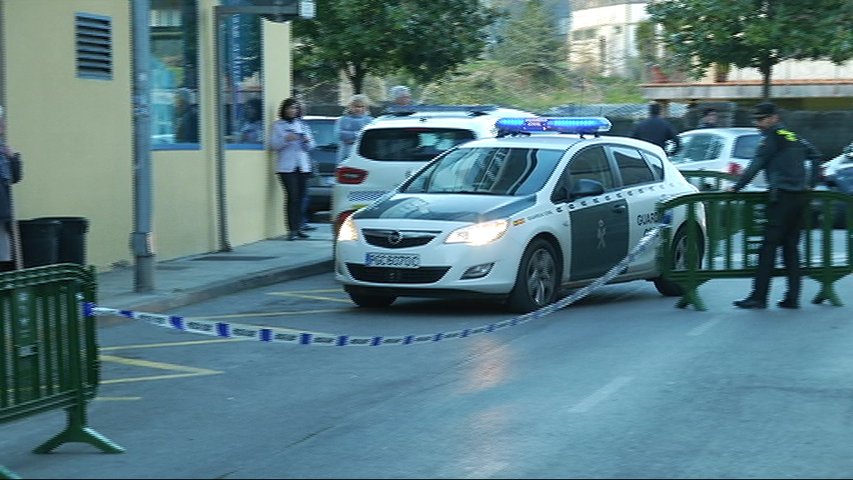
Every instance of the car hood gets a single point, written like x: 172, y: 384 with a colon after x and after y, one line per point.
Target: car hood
x: 457, y: 207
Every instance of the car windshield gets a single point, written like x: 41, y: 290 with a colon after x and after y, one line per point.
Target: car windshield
x: 745, y: 146
x: 486, y: 171
x: 410, y: 144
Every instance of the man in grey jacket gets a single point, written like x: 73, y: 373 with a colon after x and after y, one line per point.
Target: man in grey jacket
x: 782, y: 156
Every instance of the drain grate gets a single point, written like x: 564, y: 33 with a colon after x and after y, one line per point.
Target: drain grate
x: 236, y: 258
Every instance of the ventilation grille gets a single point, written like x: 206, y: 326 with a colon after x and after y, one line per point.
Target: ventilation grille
x: 94, y: 47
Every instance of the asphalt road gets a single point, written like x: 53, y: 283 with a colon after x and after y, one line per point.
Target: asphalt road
x: 619, y: 385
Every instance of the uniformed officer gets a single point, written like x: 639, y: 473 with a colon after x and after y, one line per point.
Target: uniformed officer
x: 782, y: 156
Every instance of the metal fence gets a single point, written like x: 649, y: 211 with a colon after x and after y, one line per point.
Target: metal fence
x: 729, y: 247
x: 49, y: 355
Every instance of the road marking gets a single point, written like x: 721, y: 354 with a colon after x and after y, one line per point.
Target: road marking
x: 704, y: 327
x: 308, y: 294
x: 601, y: 394
x: 187, y: 371
x: 269, y: 314
x: 170, y: 344
x: 117, y: 399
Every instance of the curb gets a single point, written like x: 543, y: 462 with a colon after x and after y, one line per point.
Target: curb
x: 225, y: 287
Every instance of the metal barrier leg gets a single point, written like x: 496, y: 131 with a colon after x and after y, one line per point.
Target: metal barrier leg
x: 827, y: 292
x: 691, y: 297
x: 7, y: 474
x: 77, y: 431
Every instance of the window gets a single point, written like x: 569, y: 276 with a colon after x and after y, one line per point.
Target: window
x: 413, y: 144
x: 242, y: 92
x: 487, y: 171
x: 591, y: 163
x: 632, y: 167
x: 174, y: 74
x: 655, y: 162
x: 745, y: 146
x: 94, y: 46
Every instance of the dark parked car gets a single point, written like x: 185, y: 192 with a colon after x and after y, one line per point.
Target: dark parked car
x: 325, y: 154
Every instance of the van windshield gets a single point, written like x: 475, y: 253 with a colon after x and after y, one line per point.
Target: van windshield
x: 415, y: 144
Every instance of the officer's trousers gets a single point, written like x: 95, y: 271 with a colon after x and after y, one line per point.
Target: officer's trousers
x: 785, y: 213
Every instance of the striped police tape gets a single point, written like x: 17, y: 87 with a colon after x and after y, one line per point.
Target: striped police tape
x: 284, y: 335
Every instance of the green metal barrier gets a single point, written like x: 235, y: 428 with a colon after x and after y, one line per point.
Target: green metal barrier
x: 49, y: 355
x: 709, y: 180
x: 734, y: 231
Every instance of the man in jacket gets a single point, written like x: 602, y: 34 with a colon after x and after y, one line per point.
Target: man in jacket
x: 657, y: 130
x: 782, y: 156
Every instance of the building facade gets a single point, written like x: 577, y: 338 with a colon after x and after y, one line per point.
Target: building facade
x: 66, y: 82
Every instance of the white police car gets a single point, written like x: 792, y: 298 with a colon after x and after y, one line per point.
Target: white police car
x: 517, y: 218
x: 393, y: 146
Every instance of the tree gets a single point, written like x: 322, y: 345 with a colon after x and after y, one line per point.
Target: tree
x: 532, y: 43
x: 754, y: 33
x: 422, y: 39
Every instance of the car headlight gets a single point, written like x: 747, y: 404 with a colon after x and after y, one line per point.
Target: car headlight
x: 348, y: 232
x: 479, y: 234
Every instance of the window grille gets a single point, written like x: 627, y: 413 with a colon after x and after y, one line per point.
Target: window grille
x: 94, y: 46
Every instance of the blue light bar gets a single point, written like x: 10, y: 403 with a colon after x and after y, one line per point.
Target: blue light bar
x: 578, y: 125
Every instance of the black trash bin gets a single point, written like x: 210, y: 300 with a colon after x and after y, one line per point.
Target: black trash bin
x: 39, y: 241
x: 72, y: 239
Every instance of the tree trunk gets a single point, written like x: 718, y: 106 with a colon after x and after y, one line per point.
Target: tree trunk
x: 766, y: 77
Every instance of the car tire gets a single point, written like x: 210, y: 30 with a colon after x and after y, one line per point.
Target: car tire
x: 538, y: 279
x: 371, y: 301
x: 678, y: 256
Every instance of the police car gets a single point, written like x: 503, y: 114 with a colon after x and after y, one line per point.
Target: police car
x: 516, y: 218
x: 393, y: 146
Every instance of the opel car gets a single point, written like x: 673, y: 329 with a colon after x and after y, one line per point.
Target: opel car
x: 548, y: 204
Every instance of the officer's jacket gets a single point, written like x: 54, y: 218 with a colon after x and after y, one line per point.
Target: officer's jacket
x: 782, y: 156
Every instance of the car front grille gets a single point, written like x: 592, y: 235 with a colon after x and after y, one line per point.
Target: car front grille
x: 388, y: 238
x: 396, y: 275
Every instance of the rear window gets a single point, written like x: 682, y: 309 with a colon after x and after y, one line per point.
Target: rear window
x: 745, y: 146
x: 410, y: 144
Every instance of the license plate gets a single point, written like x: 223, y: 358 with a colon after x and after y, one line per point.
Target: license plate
x: 397, y: 260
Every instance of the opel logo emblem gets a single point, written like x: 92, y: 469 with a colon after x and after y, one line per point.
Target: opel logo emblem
x: 395, y: 237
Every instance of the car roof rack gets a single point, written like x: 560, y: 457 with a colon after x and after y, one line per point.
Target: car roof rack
x: 408, y: 110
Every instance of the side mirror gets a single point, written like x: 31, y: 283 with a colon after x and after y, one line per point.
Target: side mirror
x: 586, y: 188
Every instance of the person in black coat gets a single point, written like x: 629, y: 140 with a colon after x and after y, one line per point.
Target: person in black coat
x: 10, y: 172
x: 657, y: 130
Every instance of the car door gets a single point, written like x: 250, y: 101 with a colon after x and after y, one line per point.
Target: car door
x: 641, y: 185
x: 598, y: 223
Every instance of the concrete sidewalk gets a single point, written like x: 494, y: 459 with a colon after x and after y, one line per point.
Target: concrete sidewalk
x: 196, y: 278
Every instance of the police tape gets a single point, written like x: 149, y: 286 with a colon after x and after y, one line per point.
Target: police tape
x: 284, y: 335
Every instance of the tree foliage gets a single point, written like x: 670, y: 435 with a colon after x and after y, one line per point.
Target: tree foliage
x: 423, y: 40
x: 754, y: 33
x: 530, y: 42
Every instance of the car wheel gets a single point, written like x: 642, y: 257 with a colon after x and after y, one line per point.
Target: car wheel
x: 371, y: 301
x: 678, y: 253
x: 538, y: 278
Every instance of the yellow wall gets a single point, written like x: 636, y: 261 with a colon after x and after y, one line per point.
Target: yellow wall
x: 76, y: 136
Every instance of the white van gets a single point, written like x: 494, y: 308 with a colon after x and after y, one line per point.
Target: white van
x: 394, y: 146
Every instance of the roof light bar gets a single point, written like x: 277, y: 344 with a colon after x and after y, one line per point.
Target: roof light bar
x: 578, y: 125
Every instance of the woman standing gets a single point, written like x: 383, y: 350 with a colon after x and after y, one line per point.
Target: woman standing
x: 291, y: 139
x: 355, y: 117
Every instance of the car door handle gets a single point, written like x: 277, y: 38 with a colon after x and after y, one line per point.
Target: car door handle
x: 619, y: 208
